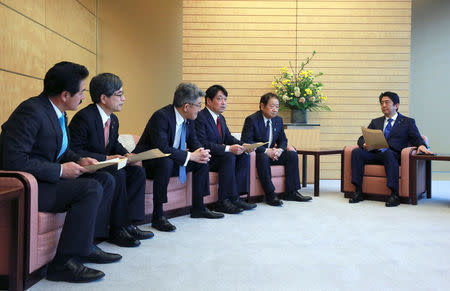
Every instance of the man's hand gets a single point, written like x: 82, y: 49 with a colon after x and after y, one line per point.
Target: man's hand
x: 272, y: 153
x: 367, y: 148
x: 115, y: 157
x: 423, y: 149
x: 290, y: 148
x: 128, y: 162
x: 236, y: 149
x: 72, y: 170
x: 248, y: 151
x: 87, y: 161
x: 200, y: 155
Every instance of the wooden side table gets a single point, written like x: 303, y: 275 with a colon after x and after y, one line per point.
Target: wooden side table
x: 413, y: 172
x: 316, y: 152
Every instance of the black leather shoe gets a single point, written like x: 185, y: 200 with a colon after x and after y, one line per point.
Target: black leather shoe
x: 206, y: 213
x: 139, y: 234
x: 226, y: 206
x: 295, y: 196
x: 244, y: 205
x: 393, y: 201
x: 162, y: 224
x: 273, y: 200
x: 122, y: 238
x: 72, y: 271
x: 357, y: 197
x: 98, y: 256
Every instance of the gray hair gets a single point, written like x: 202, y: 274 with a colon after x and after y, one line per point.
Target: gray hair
x: 186, y: 93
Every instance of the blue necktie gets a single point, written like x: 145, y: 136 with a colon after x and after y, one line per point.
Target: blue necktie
x: 268, y: 131
x: 65, y: 141
x: 183, y: 147
x: 388, y: 128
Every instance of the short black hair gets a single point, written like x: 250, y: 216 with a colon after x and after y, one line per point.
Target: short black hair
x: 186, y: 93
x: 266, y: 97
x: 64, y: 76
x: 212, y: 91
x: 105, y: 83
x: 393, y: 96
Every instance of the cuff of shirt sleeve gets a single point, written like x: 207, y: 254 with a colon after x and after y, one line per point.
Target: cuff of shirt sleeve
x: 187, y: 159
x: 60, y: 171
x: 227, y: 148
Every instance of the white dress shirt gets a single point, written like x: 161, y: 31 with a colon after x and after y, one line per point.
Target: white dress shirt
x: 58, y: 114
x: 103, y: 115
x: 176, y: 142
x: 270, y: 133
x: 392, y: 122
x: 215, y: 116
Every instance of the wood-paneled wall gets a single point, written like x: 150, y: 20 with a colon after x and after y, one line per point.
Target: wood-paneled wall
x: 363, y: 48
x: 36, y: 34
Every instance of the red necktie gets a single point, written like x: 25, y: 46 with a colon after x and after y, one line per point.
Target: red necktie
x: 107, y: 131
x: 219, y: 127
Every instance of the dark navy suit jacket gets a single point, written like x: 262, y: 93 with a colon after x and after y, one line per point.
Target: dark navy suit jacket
x: 31, y: 140
x: 254, y: 130
x: 88, y: 138
x: 209, y: 136
x: 160, y: 133
x: 403, y: 134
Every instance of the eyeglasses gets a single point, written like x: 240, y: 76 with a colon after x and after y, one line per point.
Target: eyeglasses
x: 196, y: 105
x: 118, y: 94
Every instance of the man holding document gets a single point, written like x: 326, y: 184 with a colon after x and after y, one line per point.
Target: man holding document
x: 265, y: 126
x: 228, y: 155
x: 400, y: 132
x: 94, y: 132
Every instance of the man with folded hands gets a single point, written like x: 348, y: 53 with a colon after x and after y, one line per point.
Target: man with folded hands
x: 400, y: 132
x: 265, y: 126
x: 228, y: 156
x: 94, y: 132
x: 35, y: 140
x: 171, y: 130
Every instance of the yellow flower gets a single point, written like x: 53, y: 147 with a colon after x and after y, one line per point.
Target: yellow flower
x: 285, y: 81
x: 274, y: 84
x: 308, y: 91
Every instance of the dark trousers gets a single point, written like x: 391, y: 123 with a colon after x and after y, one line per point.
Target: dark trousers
x: 388, y: 158
x: 128, y: 204
x: 289, y: 159
x: 86, y: 200
x: 160, y: 170
x: 233, y: 174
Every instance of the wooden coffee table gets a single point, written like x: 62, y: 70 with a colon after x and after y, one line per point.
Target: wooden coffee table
x: 316, y: 152
x: 413, y: 172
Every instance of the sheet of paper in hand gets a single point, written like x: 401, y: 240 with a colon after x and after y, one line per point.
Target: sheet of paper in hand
x: 374, y: 138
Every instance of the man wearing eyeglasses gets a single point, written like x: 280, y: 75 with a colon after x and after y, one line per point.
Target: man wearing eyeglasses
x: 171, y: 130
x: 94, y: 132
x: 265, y: 126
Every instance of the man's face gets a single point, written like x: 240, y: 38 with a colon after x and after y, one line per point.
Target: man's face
x: 387, y: 106
x: 218, y: 104
x: 192, y: 110
x: 271, y: 109
x: 115, y: 102
x: 72, y: 102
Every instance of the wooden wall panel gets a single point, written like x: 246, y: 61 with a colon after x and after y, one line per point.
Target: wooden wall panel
x: 91, y: 5
x: 72, y: 20
x: 35, y: 9
x: 363, y: 48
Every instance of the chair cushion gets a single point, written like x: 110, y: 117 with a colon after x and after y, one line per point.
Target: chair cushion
x: 377, y: 171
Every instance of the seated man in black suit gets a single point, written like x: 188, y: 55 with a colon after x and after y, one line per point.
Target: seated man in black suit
x: 265, y: 126
x: 171, y: 129
x: 227, y: 153
x: 94, y: 133
x: 35, y: 140
x: 400, y: 132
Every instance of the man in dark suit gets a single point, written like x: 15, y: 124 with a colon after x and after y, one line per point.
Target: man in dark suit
x: 228, y: 156
x: 400, y: 132
x: 171, y: 130
x: 94, y: 133
x: 35, y: 140
x: 265, y: 126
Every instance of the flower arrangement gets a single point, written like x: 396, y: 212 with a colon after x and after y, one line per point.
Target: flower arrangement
x: 298, y: 90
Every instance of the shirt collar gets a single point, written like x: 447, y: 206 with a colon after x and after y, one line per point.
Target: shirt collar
x: 57, y: 111
x: 103, y: 115
x: 179, y: 119
x: 393, y: 117
x: 213, y: 114
x: 265, y: 120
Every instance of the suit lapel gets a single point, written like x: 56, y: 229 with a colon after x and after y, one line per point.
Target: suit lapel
x: 98, y: 124
x: 397, y: 123
x: 172, y: 123
x: 55, y: 123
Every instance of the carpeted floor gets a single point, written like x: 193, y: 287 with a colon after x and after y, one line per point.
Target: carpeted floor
x: 327, y: 244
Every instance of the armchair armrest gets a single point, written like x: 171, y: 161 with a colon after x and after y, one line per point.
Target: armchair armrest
x: 346, y: 169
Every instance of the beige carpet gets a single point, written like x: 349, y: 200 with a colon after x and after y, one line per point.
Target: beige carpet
x: 327, y: 244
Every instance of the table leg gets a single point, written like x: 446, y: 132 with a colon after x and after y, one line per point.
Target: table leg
x: 316, y: 174
x: 413, y: 181
x: 428, y: 178
x: 304, y: 166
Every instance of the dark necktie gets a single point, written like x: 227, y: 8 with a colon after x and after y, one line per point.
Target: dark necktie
x: 219, y: 126
x: 268, y: 131
x: 388, y: 128
x: 182, y: 171
x: 65, y: 140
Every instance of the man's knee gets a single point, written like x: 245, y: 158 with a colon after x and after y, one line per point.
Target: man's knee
x: 91, y: 189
